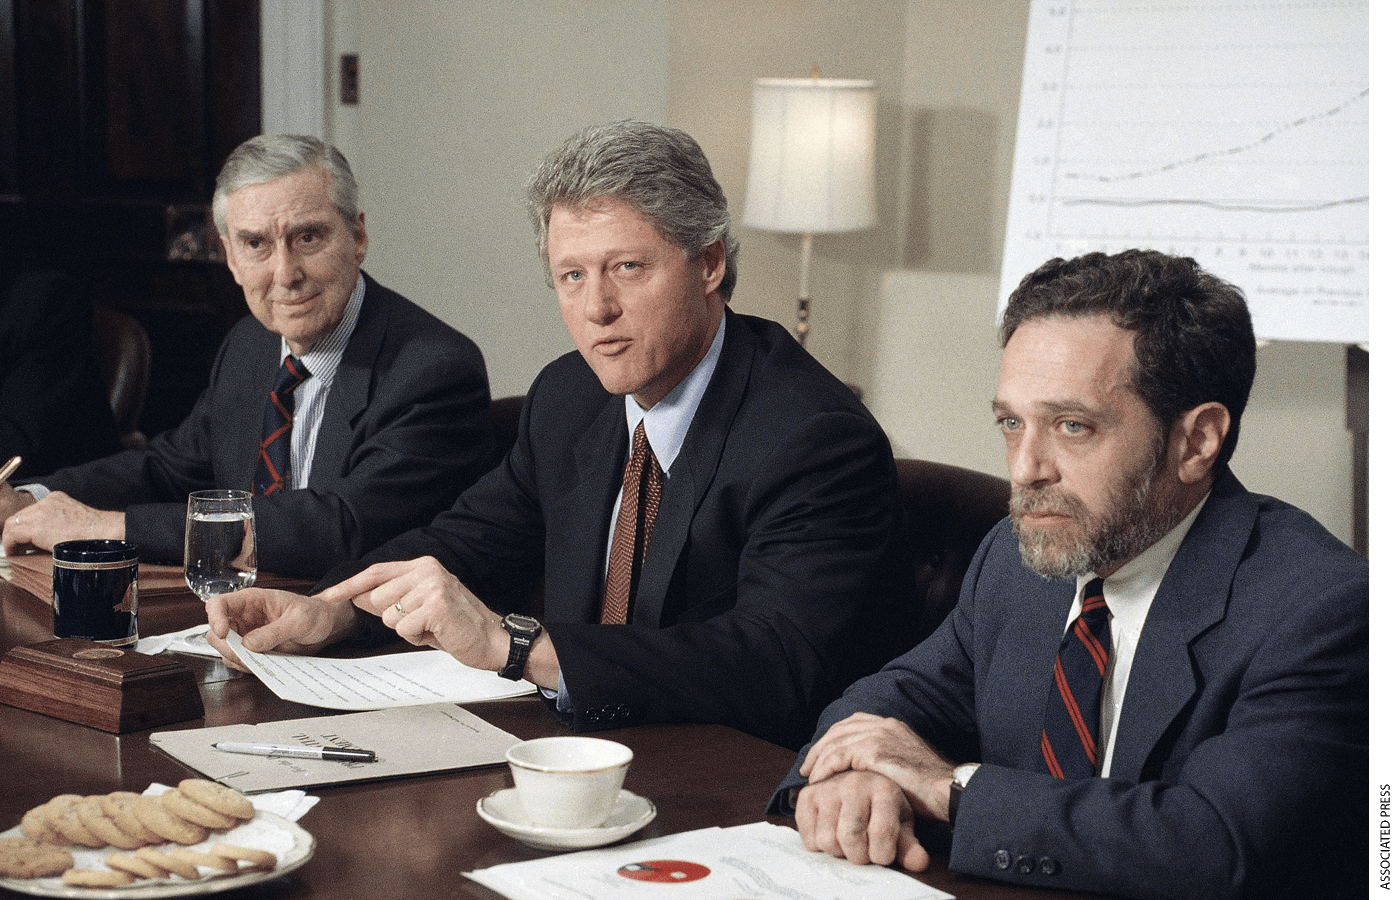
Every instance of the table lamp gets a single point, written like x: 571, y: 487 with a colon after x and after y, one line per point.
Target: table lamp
x: 811, y: 164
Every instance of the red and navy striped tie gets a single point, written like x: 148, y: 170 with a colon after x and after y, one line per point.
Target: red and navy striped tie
x: 275, y: 451
x: 1070, y: 741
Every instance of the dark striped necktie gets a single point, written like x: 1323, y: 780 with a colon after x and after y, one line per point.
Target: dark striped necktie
x: 641, y: 499
x: 275, y: 451
x: 1070, y: 741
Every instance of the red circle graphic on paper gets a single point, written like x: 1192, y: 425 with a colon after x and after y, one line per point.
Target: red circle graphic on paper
x: 664, y: 871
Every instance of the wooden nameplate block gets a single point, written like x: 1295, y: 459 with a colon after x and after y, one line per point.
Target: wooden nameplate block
x: 102, y: 687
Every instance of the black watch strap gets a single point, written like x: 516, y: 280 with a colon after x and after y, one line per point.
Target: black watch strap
x: 523, y: 630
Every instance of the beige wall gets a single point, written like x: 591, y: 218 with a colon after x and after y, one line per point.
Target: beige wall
x: 460, y: 99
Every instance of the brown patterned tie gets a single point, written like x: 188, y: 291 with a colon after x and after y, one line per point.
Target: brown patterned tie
x: 641, y: 489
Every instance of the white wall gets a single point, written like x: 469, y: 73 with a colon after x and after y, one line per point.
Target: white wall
x: 458, y: 103
x: 461, y: 99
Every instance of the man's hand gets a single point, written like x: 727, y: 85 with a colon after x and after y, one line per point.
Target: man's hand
x: 57, y: 518
x: 275, y: 620
x: 427, y: 605
x: 887, y: 747
x: 861, y: 816
x: 11, y: 502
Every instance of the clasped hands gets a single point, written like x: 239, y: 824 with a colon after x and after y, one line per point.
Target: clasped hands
x: 29, y: 525
x: 419, y: 599
x: 868, y: 777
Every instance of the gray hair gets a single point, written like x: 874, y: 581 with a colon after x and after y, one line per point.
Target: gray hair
x: 266, y: 157
x: 660, y: 172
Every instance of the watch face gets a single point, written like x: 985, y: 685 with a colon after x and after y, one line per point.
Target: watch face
x: 523, y: 624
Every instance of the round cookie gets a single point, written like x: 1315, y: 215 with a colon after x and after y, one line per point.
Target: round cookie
x: 90, y: 813
x: 217, y: 797
x: 53, y: 809
x: 259, y: 859
x: 21, y: 857
x: 137, y: 866
x: 168, y: 863
x: 180, y: 805
x: 97, y: 877
x: 120, y: 808
x: 68, y: 821
x: 35, y: 826
x: 208, y: 860
x: 153, y: 815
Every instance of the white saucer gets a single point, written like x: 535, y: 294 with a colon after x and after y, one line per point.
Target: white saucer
x: 629, y: 814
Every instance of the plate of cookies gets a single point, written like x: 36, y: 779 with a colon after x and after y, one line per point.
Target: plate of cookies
x: 198, y: 838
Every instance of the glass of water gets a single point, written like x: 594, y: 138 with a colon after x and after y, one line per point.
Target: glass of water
x: 221, y: 545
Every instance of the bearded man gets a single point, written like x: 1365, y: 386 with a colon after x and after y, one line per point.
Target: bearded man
x: 1154, y: 683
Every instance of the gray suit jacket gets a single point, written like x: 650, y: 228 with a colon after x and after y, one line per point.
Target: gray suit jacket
x: 1241, y: 759
x: 406, y: 428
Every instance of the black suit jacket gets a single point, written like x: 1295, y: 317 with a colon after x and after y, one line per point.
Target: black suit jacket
x: 53, y: 403
x: 772, y: 578
x: 406, y: 428
x: 1240, y: 764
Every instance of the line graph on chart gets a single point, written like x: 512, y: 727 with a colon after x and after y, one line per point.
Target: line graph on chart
x: 1232, y: 132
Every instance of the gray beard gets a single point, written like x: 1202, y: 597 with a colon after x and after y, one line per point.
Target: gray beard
x: 1136, y: 522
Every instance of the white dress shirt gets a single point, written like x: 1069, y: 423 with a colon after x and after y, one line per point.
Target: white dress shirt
x: 1129, y: 593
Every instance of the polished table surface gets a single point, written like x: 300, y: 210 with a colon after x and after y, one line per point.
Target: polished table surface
x: 410, y: 837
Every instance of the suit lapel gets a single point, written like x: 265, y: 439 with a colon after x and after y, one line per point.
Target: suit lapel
x: 255, y: 382
x: 694, y: 469
x: 1192, y: 597
x: 576, y: 564
x: 350, y: 392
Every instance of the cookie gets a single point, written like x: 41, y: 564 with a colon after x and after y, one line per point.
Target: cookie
x: 95, y: 820
x: 180, y: 805
x: 97, y: 877
x: 35, y: 826
x: 66, y: 820
x: 120, y: 808
x: 259, y: 859
x: 53, y: 809
x: 137, y: 866
x: 207, y: 860
x: 153, y: 815
x: 168, y: 863
x: 21, y: 857
x: 217, y: 797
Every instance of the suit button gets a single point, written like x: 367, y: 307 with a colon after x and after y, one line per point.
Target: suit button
x: 1002, y: 859
x: 1024, y: 865
x: 1049, y: 866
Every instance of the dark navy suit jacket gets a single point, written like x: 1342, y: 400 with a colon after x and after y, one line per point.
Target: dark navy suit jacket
x: 406, y: 428
x: 1240, y: 764
x: 772, y: 579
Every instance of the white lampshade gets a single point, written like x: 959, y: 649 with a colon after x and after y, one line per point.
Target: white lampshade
x: 812, y: 159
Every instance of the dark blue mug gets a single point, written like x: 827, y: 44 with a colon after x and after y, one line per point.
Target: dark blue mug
x: 95, y: 591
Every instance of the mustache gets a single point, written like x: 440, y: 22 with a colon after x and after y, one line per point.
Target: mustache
x: 1045, y: 500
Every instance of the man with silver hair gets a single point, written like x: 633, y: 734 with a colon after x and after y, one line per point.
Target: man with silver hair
x: 381, y: 416
x: 767, y: 579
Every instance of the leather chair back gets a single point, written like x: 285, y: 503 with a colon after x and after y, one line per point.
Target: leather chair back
x: 505, y: 422
x: 947, y: 512
x: 124, y: 358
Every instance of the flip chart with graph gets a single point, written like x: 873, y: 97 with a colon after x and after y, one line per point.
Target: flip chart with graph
x: 1232, y: 132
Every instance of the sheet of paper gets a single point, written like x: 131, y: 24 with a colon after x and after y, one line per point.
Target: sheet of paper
x: 410, y: 740
x: 758, y: 861
x: 376, y: 682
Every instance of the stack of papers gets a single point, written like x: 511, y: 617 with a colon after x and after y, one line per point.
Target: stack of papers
x: 758, y: 861
x: 408, y: 741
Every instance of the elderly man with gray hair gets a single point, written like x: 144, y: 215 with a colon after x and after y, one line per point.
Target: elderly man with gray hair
x: 351, y: 413
x: 712, y: 515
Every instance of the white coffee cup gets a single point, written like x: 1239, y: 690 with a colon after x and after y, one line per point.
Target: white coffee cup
x: 568, y: 782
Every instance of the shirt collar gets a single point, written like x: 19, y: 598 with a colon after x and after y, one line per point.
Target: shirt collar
x: 669, y: 419
x: 324, y: 357
x: 1137, y: 581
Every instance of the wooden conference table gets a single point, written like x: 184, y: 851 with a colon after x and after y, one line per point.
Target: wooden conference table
x: 407, y: 838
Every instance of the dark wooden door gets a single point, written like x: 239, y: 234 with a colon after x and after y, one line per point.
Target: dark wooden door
x: 115, y: 116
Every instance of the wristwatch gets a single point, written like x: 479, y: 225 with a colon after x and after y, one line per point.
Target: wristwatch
x: 961, y: 776
x: 522, y: 630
